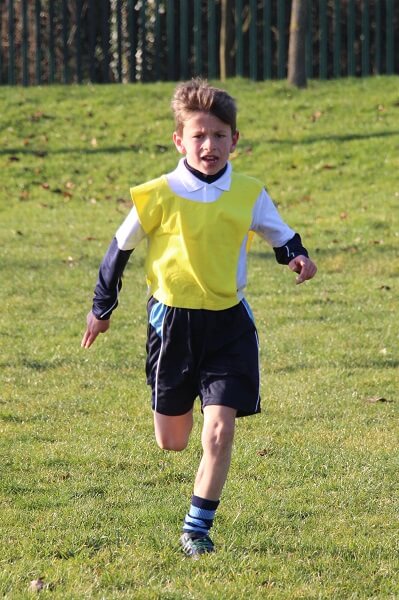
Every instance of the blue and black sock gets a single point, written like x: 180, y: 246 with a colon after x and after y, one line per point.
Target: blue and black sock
x: 199, y: 518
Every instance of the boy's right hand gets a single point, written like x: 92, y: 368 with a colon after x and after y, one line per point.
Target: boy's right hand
x: 94, y: 327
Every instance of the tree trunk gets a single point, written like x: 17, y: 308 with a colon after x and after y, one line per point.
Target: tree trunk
x: 226, y: 39
x: 297, y: 45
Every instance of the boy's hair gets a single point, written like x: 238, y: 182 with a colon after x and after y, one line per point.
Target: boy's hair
x: 198, y: 96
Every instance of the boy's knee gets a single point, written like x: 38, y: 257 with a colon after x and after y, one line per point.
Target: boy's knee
x: 171, y: 444
x: 173, y: 433
x: 219, y: 437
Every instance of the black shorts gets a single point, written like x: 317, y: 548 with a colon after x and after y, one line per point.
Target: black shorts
x: 210, y: 354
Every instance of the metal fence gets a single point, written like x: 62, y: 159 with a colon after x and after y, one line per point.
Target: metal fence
x: 49, y: 41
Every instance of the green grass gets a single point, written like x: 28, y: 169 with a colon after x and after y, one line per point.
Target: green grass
x: 88, y: 502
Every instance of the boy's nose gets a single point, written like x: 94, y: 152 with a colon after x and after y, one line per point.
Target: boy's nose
x: 208, y: 143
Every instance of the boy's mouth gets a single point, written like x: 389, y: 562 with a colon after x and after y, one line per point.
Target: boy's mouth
x: 210, y: 159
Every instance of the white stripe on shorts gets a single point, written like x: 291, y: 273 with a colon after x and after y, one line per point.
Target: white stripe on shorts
x: 159, y: 363
x: 257, y: 343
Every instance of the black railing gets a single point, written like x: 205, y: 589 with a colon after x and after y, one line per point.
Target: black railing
x: 49, y: 41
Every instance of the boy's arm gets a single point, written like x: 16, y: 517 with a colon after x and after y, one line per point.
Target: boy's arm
x: 268, y: 223
x: 291, y: 249
x: 297, y: 258
x: 109, y: 282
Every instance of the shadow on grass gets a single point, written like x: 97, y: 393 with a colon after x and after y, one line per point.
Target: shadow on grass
x: 10, y: 418
x: 43, y: 365
x: 347, y: 137
x: 357, y: 364
x: 161, y: 149
x: 43, y: 152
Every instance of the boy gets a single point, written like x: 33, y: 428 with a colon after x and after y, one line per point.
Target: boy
x: 202, y: 339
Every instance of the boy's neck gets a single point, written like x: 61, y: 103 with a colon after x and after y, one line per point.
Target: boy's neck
x: 202, y: 176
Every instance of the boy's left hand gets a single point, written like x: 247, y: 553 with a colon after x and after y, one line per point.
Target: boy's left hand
x: 304, y: 266
x: 94, y: 328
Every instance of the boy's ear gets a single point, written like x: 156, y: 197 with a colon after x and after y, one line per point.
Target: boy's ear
x: 178, y: 142
x: 236, y: 136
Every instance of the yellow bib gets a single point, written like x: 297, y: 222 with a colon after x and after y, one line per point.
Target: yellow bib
x: 193, y: 247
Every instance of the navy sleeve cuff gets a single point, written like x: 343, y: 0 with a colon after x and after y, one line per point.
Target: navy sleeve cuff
x: 290, y: 250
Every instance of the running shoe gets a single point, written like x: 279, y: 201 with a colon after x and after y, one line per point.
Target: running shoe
x: 194, y: 545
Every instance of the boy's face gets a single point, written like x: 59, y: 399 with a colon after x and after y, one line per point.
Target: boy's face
x: 206, y: 141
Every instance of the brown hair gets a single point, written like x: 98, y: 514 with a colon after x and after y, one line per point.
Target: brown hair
x: 197, y: 95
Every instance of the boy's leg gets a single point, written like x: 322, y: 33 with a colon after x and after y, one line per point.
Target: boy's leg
x: 172, y: 433
x: 217, y: 443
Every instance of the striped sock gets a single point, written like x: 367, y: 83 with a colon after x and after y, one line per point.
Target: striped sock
x: 199, y: 518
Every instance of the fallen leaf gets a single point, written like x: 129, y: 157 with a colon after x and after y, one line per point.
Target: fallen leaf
x: 265, y: 452
x: 37, y: 116
x: 40, y: 115
x: 45, y: 186
x: 343, y: 215
x: 375, y: 399
x: 316, y: 115
x: 70, y: 261
x: 36, y: 585
x: 94, y: 142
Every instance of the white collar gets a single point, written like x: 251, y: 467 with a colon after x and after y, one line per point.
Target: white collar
x: 192, y: 183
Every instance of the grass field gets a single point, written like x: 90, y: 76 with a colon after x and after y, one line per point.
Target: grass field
x: 88, y: 503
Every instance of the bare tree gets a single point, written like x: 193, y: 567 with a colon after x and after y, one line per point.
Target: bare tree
x: 297, y: 44
x: 226, y: 39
